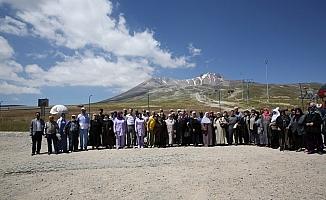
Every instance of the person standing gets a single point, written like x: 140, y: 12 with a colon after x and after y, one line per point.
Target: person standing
x: 195, y: 128
x: 84, y: 121
x: 62, y: 144
x: 275, y: 129
x: 283, y: 122
x: 219, y: 124
x: 119, y: 129
x: 140, y: 128
x: 52, y: 135
x: 182, y: 128
x: 313, y: 123
x: 72, y: 130
x: 108, y: 139
x: 170, y: 123
x: 265, y: 136
x: 253, y: 127
x: 150, y: 130
x: 232, y: 126
x: 205, y: 127
x: 297, y: 129
x: 36, y: 132
x: 95, y: 131
x: 130, y: 118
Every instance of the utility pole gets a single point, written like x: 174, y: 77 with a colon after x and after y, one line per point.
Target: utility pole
x: 89, y: 105
x: 1, y: 110
x: 219, y: 98
x: 267, y: 86
x: 301, y: 96
x: 148, y: 101
x: 248, y: 91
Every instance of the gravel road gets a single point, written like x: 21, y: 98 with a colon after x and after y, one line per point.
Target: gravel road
x: 234, y: 172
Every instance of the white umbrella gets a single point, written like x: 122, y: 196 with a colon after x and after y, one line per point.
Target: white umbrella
x: 58, y: 109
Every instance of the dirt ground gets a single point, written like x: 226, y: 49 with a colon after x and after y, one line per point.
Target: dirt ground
x: 235, y: 172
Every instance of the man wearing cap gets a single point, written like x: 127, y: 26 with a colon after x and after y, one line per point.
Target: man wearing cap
x: 36, y: 132
x: 83, y: 121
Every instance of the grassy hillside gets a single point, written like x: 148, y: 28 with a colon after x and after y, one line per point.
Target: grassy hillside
x: 284, y: 96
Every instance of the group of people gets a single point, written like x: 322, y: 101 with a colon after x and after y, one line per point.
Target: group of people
x: 278, y: 128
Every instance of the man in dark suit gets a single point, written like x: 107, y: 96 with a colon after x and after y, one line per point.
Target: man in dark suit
x: 36, y: 130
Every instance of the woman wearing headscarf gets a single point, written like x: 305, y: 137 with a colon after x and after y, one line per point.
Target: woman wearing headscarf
x: 219, y: 125
x: 206, y: 129
x: 265, y: 136
x: 119, y: 129
x: 170, y: 124
x: 297, y: 129
x: 275, y: 129
x: 107, y: 132
x: 94, y: 132
x: 140, y: 128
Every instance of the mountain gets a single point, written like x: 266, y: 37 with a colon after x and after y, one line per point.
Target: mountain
x: 166, y: 84
x: 212, y: 90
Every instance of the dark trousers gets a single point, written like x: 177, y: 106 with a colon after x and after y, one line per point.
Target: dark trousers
x: 298, y: 141
x: 238, y: 136
x: 52, y: 138
x: 196, y: 138
x: 73, y: 141
x: 62, y: 144
x: 281, y: 139
x: 36, y: 142
x: 230, y: 135
x: 275, y: 139
x: 131, y: 135
x: 246, y: 136
x: 96, y: 139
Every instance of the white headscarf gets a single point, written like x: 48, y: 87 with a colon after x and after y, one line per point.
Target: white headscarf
x: 276, y: 113
x: 205, y: 119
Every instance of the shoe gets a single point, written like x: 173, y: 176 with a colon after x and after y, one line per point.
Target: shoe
x: 33, y: 154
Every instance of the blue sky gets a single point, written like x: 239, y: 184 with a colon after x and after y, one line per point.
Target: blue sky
x: 66, y: 50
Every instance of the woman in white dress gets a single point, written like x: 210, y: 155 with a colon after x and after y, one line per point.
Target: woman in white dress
x: 219, y: 125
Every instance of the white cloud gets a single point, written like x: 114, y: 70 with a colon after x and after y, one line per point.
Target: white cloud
x: 76, y: 23
x: 92, y: 70
x: 6, y: 50
x: 194, y: 51
x: 6, y: 88
x: 13, y: 26
x: 122, y: 60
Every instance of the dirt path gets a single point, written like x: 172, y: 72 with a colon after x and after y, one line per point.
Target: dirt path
x: 235, y: 172
x: 225, y: 105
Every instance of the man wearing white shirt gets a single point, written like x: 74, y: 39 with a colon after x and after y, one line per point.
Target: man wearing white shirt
x: 83, y: 121
x: 130, y: 118
x: 36, y: 132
